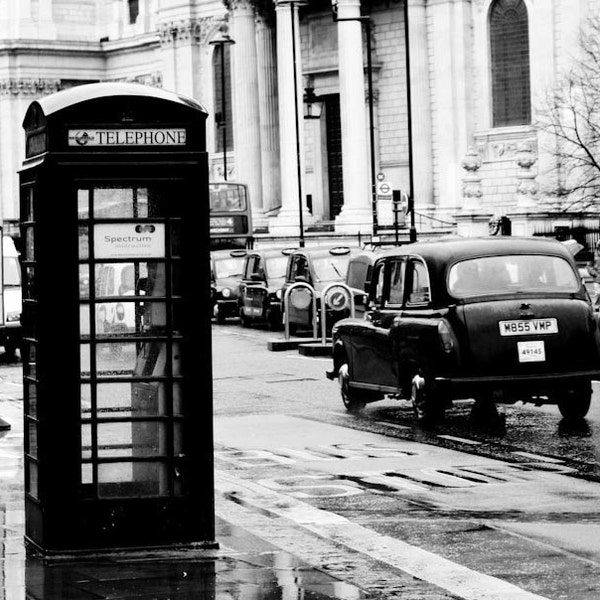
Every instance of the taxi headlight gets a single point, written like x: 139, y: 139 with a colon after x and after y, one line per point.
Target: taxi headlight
x: 300, y: 298
x: 225, y: 292
x: 13, y: 316
x: 279, y: 294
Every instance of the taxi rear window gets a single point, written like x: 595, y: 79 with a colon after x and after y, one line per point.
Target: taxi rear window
x: 511, y: 273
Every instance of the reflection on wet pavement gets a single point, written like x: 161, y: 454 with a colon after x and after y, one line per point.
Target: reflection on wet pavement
x: 244, y: 568
x: 278, y: 577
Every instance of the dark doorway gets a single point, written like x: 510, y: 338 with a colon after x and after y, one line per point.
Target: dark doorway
x: 334, y: 154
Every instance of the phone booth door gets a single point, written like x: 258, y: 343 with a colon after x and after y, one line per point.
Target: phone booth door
x: 131, y: 400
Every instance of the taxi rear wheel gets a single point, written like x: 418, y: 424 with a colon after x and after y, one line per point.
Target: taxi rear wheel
x: 426, y: 403
x: 575, y: 403
x: 350, y: 397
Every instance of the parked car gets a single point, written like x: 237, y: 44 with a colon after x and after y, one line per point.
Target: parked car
x: 319, y: 267
x: 496, y: 319
x: 260, y: 289
x: 358, y: 278
x: 227, y: 267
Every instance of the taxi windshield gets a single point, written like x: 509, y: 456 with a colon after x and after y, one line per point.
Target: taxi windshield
x: 229, y: 267
x: 276, y: 267
x: 489, y: 275
x: 330, y: 268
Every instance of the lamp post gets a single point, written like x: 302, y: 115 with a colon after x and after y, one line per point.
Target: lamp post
x: 222, y: 41
x: 367, y: 23
x: 411, y: 200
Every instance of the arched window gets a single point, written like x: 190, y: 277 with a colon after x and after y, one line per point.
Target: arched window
x: 222, y: 87
x: 509, y: 44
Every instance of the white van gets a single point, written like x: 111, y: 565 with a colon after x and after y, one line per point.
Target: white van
x: 11, y: 333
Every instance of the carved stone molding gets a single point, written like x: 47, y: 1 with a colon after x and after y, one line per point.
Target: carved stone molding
x: 502, y: 144
x: 527, y: 188
x: 471, y: 183
x: 151, y: 79
x: 188, y: 31
x: 29, y: 87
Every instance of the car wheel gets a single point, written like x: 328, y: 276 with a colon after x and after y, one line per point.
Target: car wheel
x: 350, y: 397
x: 246, y: 321
x: 485, y: 412
x: 575, y: 403
x: 425, y: 403
x: 273, y: 320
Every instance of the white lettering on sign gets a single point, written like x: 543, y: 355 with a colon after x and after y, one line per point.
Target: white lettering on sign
x: 129, y: 240
x: 127, y: 137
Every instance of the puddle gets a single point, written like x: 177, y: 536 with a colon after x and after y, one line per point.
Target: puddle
x: 280, y: 577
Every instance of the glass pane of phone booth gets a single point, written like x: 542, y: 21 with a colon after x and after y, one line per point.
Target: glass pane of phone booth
x: 129, y: 315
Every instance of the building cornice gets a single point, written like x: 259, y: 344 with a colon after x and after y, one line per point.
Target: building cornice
x: 187, y: 30
x: 28, y: 86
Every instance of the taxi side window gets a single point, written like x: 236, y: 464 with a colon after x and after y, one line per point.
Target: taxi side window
x: 419, y: 282
x: 258, y: 268
x: 248, y: 267
x: 396, y: 295
x: 299, y: 268
x: 377, y: 287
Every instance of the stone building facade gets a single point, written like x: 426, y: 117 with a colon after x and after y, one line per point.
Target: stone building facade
x: 478, y: 69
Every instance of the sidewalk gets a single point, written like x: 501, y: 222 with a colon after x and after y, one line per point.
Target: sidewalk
x: 244, y: 566
x: 271, y: 547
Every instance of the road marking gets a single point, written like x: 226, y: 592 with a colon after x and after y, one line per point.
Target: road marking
x: 453, y: 438
x: 311, y: 358
x: 386, y: 423
x: 446, y: 574
x: 393, y: 425
x: 539, y: 457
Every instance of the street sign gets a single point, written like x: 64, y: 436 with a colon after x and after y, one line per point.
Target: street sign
x: 384, y: 188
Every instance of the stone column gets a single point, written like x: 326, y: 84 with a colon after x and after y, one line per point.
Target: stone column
x: 293, y: 202
x: 356, y: 214
x: 269, y: 114
x: 246, y: 102
x: 421, y: 106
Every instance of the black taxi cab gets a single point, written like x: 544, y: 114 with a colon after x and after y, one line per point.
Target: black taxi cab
x: 226, y: 275
x: 497, y: 320
x: 319, y: 267
x: 260, y: 289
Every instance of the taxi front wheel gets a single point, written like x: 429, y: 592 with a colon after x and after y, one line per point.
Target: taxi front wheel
x: 575, y: 403
x: 350, y: 397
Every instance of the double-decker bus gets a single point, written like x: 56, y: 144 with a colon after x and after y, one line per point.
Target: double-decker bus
x: 230, y: 215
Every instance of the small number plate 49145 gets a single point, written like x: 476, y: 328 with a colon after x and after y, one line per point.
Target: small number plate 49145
x: 528, y: 327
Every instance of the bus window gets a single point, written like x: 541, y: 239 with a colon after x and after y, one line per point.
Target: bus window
x: 230, y: 215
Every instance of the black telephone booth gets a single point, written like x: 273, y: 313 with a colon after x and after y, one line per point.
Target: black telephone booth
x: 116, y: 320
